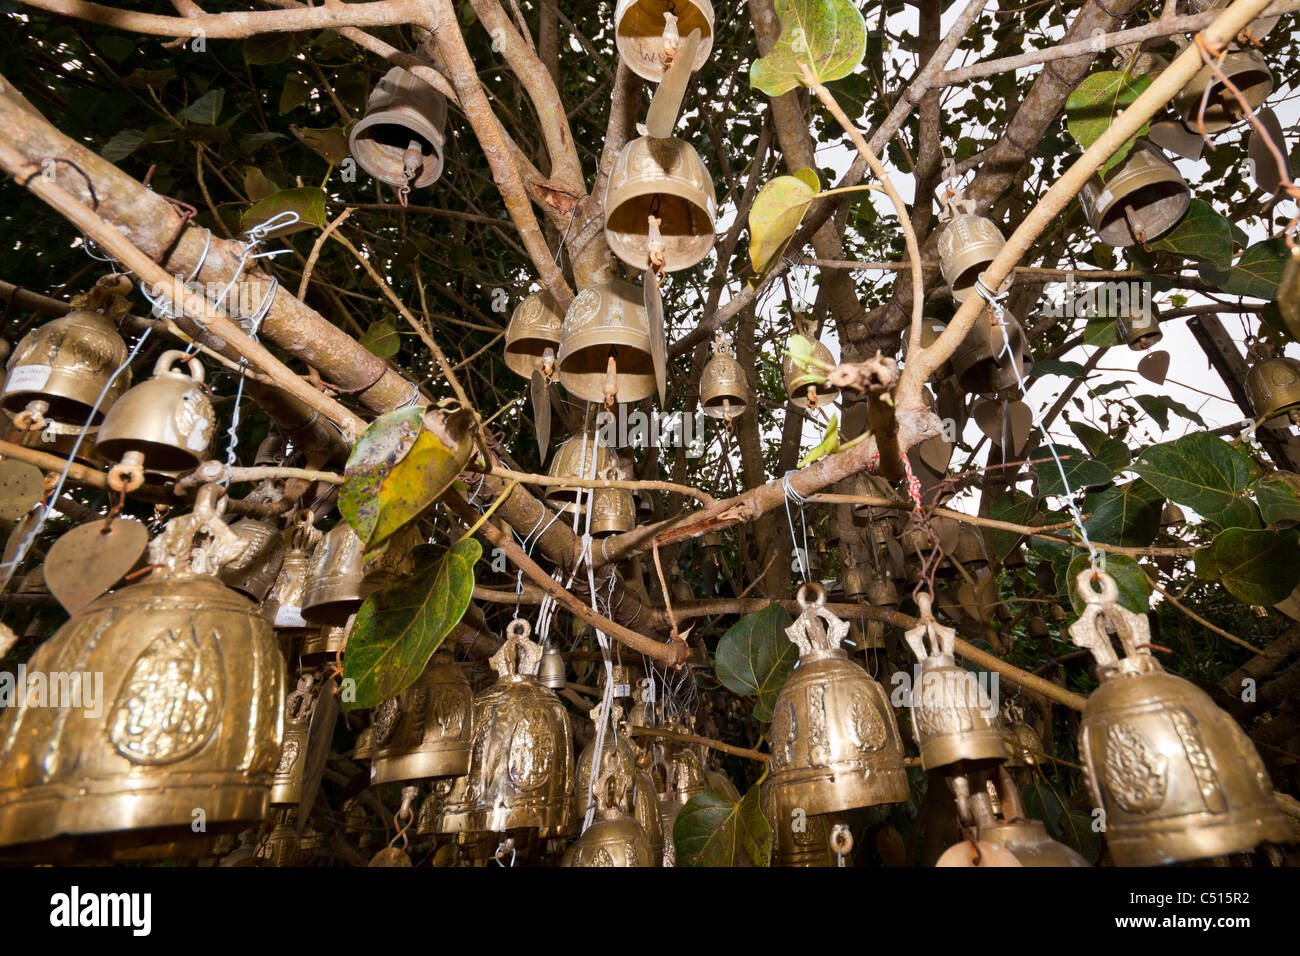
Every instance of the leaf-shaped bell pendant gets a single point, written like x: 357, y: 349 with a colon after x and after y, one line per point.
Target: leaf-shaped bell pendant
x: 1273, y: 385
x: 954, y: 718
x: 400, y: 139
x: 189, y: 715
x: 966, y: 245
x: 58, y: 370
x: 647, y: 33
x: 1175, y: 776
x: 1013, y: 830
x: 1139, y: 201
x: 434, y: 728
x: 642, y: 799
x: 660, y: 206
x: 723, y: 391
x: 161, y: 425
x: 521, y: 766
x: 605, y: 345
x: 533, y: 336
x: 614, y: 838
x: 1246, y: 69
x: 835, y: 743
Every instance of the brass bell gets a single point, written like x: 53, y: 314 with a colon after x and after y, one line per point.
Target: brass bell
x: 723, y: 391
x: 647, y: 33
x: 192, y: 711
x: 641, y: 799
x: 983, y: 369
x: 1273, y: 385
x: 254, y: 571
x: 1176, y: 777
x: 59, y: 368
x: 533, y: 336
x: 434, y: 729
x: 835, y: 744
x: 613, y: 510
x: 400, y: 139
x: 800, y: 389
x: 286, y: 784
x: 583, y: 456
x: 283, y: 846
x: 685, y: 772
x: 952, y: 717
x: 323, y: 644
x: 882, y: 591
x: 1141, y: 199
x: 1246, y: 69
x: 1139, y: 328
x: 551, y: 673
x: 615, y: 838
x: 605, y: 345
x: 336, y: 578
x: 164, y: 424
x: 660, y: 206
x: 1009, y: 827
x: 966, y: 246
x: 857, y: 581
x: 798, y: 839
x: 1022, y: 742
x: 521, y: 767
x: 970, y: 550
x: 283, y: 604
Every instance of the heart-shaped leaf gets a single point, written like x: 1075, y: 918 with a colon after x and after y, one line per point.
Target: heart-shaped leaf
x: 755, y: 657
x: 1205, y: 473
x: 1081, y: 470
x: 1278, y: 497
x: 775, y: 216
x: 1257, y: 567
x: 307, y: 201
x: 712, y: 831
x: 1259, y: 270
x: 1201, y: 234
x: 1134, y: 587
x: 829, y: 36
x: 1095, y: 102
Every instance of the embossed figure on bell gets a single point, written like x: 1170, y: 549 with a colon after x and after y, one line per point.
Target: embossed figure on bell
x: 521, y: 765
x: 646, y: 32
x: 58, y: 370
x: 433, y: 732
x: 192, y: 716
x: 583, y: 456
x: 1177, y: 778
x: 835, y: 743
x: 641, y: 798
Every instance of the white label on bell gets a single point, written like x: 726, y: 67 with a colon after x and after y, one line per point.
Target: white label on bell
x: 289, y: 615
x: 28, y: 378
x: 622, y: 690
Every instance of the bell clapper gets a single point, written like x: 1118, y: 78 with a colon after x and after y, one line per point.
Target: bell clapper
x: 656, y: 250
x: 841, y: 841
x: 672, y: 38
x: 611, y: 381
x: 33, y: 416
x: 812, y: 397
x: 548, y: 364
x: 1138, y: 232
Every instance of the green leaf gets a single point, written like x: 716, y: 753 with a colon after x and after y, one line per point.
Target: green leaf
x: 295, y: 92
x: 1202, y: 234
x: 307, y: 201
x: 331, y: 144
x: 268, y: 48
x: 206, y: 110
x: 401, y: 464
x: 382, y: 338
x: 257, y: 185
x: 1057, y: 367
x: 1134, y: 588
x: 829, y: 36
x: 1128, y: 515
x: 1258, y: 271
x: 123, y: 144
x: 116, y: 47
x: 1159, y: 407
x: 1095, y: 102
x: 829, y: 444
x: 755, y: 657
x: 1278, y: 497
x: 1015, y: 507
x: 712, y: 831
x: 1205, y: 473
x: 1257, y: 567
x: 1099, y: 331
x: 400, y: 626
x: 775, y: 216
x: 1081, y: 470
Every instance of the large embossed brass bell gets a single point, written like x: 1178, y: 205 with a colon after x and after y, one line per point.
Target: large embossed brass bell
x: 1141, y: 199
x: 660, y: 205
x: 800, y: 387
x: 1139, y: 327
x: 400, y: 139
x: 1014, y: 830
x: 835, y: 744
x: 336, y: 578
x: 1246, y: 69
x: 163, y: 424
x: 981, y: 363
x: 583, y: 456
x: 966, y: 246
x: 257, y: 569
x: 647, y: 33
x: 59, y: 369
x: 533, y: 336
x: 613, y: 510
x: 615, y: 838
x: 1273, y: 385
x: 521, y: 766
x: 953, y: 717
x: 724, y: 393
x: 434, y: 729
x: 605, y: 345
x: 1176, y: 777
x: 190, y: 711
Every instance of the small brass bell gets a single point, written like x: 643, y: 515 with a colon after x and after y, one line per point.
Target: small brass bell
x: 1246, y: 69
x: 1023, y: 744
x: 605, y: 345
x: 192, y: 708
x: 952, y: 717
x: 59, y: 368
x: 583, y: 456
x: 660, y: 206
x: 521, y: 767
x: 283, y: 604
x: 164, y: 424
x: 685, y: 779
x: 1141, y: 199
x: 336, y: 582
x: 533, y: 336
x: 835, y: 744
x: 283, y: 846
x: 1010, y: 828
x: 857, y: 581
x: 615, y: 838
x: 551, y: 673
x: 1273, y: 385
x: 254, y: 571
x: 400, y: 139
x: 613, y: 510
x: 1139, y: 328
x: 723, y: 391
x: 800, y: 388
x: 1177, y: 778
x: 647, y: 33
x: 641, y: 799
x: 286, y: 784
x: 983, y: 369
x: 966, y: 246
x: 799, y: 840
x: 323, y: 644
x: 434, y: 729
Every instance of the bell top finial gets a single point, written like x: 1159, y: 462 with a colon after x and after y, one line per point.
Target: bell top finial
x: 816, y: 632
x: 942, y: 639
x: 1102, y: 614
x: 518, y: 656
x: 199, y: 542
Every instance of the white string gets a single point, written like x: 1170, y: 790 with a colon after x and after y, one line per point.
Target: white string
x: 792, y: 495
